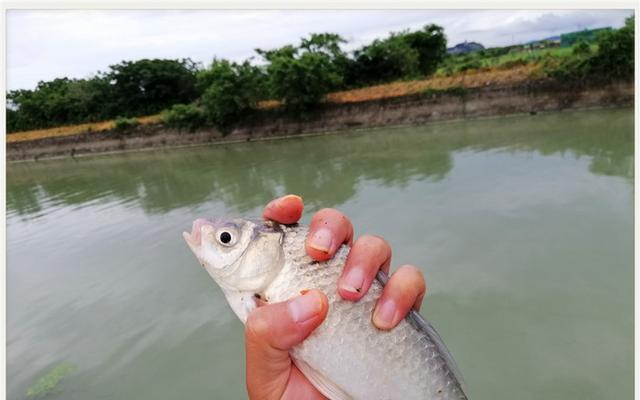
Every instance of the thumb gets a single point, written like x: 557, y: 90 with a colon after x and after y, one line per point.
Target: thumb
x: 270, y: 332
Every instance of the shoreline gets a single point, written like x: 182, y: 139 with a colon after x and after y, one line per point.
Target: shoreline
x: 493, y: 101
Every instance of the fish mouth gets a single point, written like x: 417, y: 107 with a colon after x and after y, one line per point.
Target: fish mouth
x: 194, y: 239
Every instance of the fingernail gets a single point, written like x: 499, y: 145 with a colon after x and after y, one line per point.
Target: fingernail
x: 291, y: 196
x: 385, y: 314
x: 305, y: 307
x: 353, y: 280
x: 321, y: 240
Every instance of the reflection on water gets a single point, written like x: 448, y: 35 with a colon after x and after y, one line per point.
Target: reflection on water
x: 243, y: 176
x: 523, y: 227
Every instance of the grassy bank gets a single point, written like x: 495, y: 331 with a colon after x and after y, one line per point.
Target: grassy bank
x: 300, y: 78
x: 78, y: 129
x: 467, y: 79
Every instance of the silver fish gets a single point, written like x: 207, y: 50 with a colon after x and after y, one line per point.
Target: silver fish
x: 346, y: 357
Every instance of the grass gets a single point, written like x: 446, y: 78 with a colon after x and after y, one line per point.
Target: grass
x: 69, y: 130
x: 457, y: 63
x: 528, y: 55
x: 467, y: 80
x: 50, y: 381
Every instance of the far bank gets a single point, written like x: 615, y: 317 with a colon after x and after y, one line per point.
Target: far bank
x: 427, y: 106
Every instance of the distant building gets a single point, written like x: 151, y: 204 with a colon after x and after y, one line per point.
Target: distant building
x: 465, y: 47
x: 543, y: 44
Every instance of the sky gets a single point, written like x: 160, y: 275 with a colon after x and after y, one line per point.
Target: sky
x: 44, y: 45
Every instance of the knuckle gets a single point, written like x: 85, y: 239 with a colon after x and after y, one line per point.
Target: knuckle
x: 410, y: 270
x: 325, y: 212
x: 372, y: 242
x: 330, y: 214
x: 410, y: 276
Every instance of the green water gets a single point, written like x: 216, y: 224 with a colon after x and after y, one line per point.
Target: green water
x: 523, y: 227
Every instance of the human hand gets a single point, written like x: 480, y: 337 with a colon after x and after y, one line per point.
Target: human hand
x: 272, y: 330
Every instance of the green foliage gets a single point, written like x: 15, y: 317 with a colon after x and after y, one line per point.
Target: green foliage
x: 614, y: 58
x: 402, y: 55
x: 431, y: 45
x: 587, y: 35
x: 301, y: 76
x: 384, y: 61
x: 50, y: 381
x: 231, y: 91
x: 500, y: 58
x: 58, y: 102
x: 298, y: 76
x: 122, y: 124
x: 184, y: 116
x: 148, y: 86
x: 128, y: 89
x: 581, y: 49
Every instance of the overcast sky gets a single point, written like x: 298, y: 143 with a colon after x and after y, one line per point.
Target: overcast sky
x: 43, y: 45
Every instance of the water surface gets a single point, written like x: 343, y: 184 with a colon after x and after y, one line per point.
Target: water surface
x: 523, y: 228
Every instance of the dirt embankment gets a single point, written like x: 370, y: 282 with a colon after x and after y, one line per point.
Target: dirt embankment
x: 431, y: 104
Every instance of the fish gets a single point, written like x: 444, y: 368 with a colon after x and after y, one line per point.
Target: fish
x: 346, y: 357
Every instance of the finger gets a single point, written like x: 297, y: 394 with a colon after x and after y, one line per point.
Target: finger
x: 270, y: 332
x: 285, y: 210
x: 329, y: 229
x: 405, y: 289
x: 368, y: 255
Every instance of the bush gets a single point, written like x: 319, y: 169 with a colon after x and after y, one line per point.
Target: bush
x: 614, y: 58
x: 231, y: 91
x: 184, y: 116
x: 122, y: 124
x: 126, y: 89
x: 301, y: 76
x: 149, y: 86
x: 472, y: 64
x: 431, y: 45
x: 582, y: 48
x: 402, y: 55
x: 385, y: 60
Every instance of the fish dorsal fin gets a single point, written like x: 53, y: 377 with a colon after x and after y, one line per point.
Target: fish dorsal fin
x: 320, y: 382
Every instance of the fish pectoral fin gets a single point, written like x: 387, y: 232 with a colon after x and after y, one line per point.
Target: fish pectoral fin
x: 321, y: 382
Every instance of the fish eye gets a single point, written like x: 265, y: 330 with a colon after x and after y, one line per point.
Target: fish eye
x: 225, y: 237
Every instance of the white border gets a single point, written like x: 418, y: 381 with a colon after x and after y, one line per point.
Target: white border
x: 314, y: 5
x: 322, y: 5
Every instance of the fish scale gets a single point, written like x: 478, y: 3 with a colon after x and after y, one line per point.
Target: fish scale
x: 347, y: 350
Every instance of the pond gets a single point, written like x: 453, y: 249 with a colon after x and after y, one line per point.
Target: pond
x: 523, y: 227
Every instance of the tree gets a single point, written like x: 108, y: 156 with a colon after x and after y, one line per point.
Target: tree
x: 402, y: 55
x: 615, y: 55
x: 148, y: 86
x: 301, y: 76
x: 614, y: 58
x: 431, y: 45
x: 231, y: 91
x: 127, y: 89
x: 384, y: 61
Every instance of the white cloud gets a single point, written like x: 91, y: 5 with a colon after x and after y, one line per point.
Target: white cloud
x: 43, y: 45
